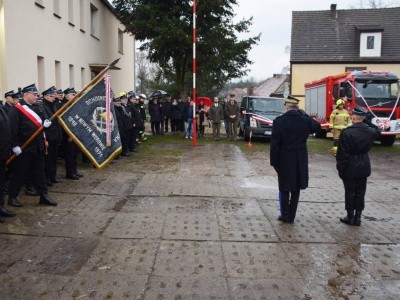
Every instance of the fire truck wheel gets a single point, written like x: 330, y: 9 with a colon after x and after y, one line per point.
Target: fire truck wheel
x: 387, y: 141
x: 320, y: 134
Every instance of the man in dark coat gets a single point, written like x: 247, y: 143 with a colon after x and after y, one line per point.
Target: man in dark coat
x: 53, y: 135
x: 124, y: 121
x: 25, y: 119
x: 5, y: 149
x: 142, y: 109
x: 10, y: 100
x: 353, y: 164
x: 289, y: 157
x: 155, y: 116
x: 136, y: 121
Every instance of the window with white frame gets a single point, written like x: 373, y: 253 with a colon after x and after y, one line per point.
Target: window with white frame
x: 370, y: 44
x: 94, y: 21
x: 120, y: 41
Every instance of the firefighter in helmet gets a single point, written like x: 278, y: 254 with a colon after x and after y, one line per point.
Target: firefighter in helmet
x: 339, y: 120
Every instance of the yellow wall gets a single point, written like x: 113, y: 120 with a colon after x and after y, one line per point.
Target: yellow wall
x: 28, y: 31
x: 302, y: 74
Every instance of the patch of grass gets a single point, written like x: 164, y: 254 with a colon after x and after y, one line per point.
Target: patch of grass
x: 154, y: 146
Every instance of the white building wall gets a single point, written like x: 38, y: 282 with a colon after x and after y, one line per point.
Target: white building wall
x: 29, y: 31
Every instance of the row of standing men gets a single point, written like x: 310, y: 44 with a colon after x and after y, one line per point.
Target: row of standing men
x: 36, y: 164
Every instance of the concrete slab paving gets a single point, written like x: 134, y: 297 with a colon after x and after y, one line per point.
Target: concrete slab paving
x: 203, y: 226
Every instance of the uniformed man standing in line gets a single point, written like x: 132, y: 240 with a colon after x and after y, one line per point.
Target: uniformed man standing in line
x: 53, y: 135
x: 24, y: 121
x: 353, y: 164
x: 9, y: 101
x: 289, y: 157
x: 69, y: 147
x: 5, y: 146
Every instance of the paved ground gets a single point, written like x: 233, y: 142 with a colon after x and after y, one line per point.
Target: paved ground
x: 203, y: 227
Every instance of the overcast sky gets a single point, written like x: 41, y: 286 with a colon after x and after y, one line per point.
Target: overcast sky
x: 273, y: 20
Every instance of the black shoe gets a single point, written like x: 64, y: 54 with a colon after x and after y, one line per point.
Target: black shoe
x: 46, y: 200
x: 73, y: 177
x: 49, y: 184
x: 280, y: 218
x: 357, y: 218
x: 14, y: 202
x: 347, y: 220
x: 4, y: 212
x: 31, y: 191
x: 79, y: 174
x: 56, y: 181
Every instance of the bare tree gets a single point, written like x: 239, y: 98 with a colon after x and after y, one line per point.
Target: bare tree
x: 375, y: 4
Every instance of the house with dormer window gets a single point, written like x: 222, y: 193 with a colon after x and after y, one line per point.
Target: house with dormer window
x: 331, y: 42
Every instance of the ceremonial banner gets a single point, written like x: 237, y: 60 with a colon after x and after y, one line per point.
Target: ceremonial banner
x: 85, y: 122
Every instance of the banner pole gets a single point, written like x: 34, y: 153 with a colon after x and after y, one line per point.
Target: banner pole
x: 63, y: 108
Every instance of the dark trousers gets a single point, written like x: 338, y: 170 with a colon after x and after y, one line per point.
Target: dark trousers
x: 32, y: 161
x: 2, y: 180
x: 175, y: 125
x: 71, y: 157
x: 133, y: 135
x: 155, y: 128
x: 354, y: 193
x: 289, y: 201
x: 216, y: 128
x: 50, y: 162
x: 181, y: 123
x: 167, y: 120
x: 124, y: 134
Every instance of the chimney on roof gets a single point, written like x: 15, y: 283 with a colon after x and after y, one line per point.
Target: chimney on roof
x: 333, y: 11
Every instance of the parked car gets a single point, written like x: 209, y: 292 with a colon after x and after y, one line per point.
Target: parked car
x: 257, y: 115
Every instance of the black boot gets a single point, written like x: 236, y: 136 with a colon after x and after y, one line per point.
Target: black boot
x: 357, y: 218
x: 14, y: 202
x: 349, y: 219
x: 30, y: 190
x: 46, y: 200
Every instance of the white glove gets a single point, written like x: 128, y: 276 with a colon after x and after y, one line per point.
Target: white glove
x: 17, y: 150
x: 46, y: 123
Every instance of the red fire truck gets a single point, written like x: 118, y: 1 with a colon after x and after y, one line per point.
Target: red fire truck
x: 377, y: 91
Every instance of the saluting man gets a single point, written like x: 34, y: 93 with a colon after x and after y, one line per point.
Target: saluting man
x: 353, y: 164
x: 25, y: 119
x: 289, y: 157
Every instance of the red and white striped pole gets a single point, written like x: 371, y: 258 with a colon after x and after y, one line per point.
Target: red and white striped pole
x: 194, y: 127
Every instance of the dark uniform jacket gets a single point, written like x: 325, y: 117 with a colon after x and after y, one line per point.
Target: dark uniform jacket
x: 7, y: 108
x: 352, y: 160
x: 5, y: 144
x: 123, y: 120
x: 288, y: 149
x: 22, y: 129
x: 54, y: 132
x: 142, y: 109
x: 136, y: 119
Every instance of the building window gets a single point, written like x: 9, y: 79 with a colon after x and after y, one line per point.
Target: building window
x: 82, y: 15
x: 56, y: 8
x: 370, y: 44
x: 120, y: 41
x: 71, y: 12
x: 57, y: 68
x: 39, y: 3
x: 83, y: 77
x: 94, y: 21
x: 41, y: 75
x: 71, y: 76
x: 350, y: 69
